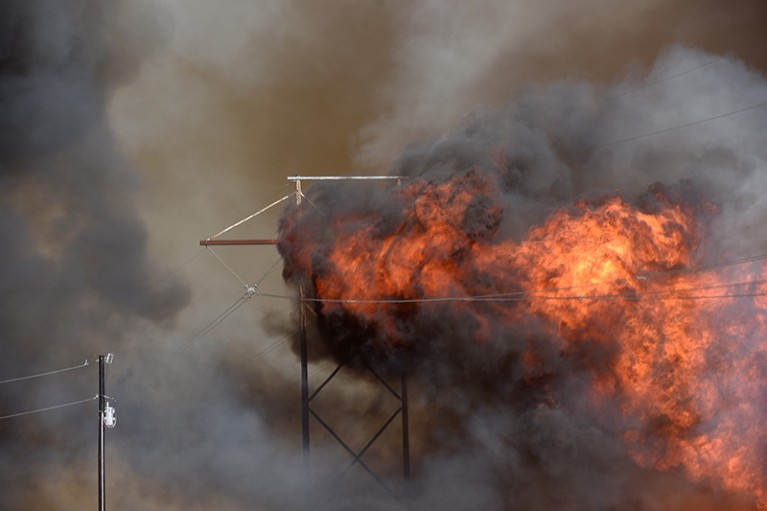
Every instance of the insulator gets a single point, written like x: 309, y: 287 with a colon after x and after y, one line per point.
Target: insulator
x: 110, y: 420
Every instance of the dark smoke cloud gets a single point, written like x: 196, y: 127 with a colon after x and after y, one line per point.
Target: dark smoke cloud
x: 552, y: 144
x: 76, y: 270
x: 127, y: 128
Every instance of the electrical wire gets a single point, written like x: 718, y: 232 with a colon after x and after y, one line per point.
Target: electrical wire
x: 219, y: 319
x: 687, y: 125
x: 190, y: 259
x: 713, y: 266
x: 268, y: 272
x: 661, y: 79
x: 313, y: 204
x: 240, y: 222
x: 47, y: 373
x: 48, y: 408
x: 323, y: 367
x: 249, y: 293
x: 227, y: 267
x: 528, y: 296
x: 273, y: 346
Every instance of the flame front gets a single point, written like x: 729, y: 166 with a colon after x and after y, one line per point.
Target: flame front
x: 686, y: 369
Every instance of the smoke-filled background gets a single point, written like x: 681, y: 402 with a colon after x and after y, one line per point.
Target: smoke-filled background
x: 130, y: 130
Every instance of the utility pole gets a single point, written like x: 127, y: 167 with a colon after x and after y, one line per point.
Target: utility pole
x: 106, y: 419
x: 304, y: 359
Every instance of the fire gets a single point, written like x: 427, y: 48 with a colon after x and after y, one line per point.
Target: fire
x: 687, y: 371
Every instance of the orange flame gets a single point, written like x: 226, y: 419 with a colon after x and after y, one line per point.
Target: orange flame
x: 688, y: 372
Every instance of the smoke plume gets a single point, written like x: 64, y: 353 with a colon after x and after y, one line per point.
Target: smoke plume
x: 131, y: 129
x: 514, y: 392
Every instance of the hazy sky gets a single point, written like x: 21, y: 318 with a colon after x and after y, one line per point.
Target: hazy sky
x: 130, y: 130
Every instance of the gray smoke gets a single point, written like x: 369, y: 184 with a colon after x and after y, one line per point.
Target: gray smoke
x: 76, y: 272
x: 562, y: 140
x: 196, y: 426
x: 696, y: 122
x: 128, y: 127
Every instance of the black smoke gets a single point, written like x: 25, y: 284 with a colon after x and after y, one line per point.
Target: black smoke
x: 226, y: 98
x: 76, y: 272
x: 694, y: 123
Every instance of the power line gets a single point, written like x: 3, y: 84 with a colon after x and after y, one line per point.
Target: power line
x: 47, y: 373
x: 220, y: 318
x: 687, y: 125
x: 48, y: 408
x: 190, y: 259
x: 268, y: 272
x: 249, y: 293
x: 227, y: 267
x: 313, y: 204
x: 713, y: 266
x: 660, y: 80
x: 323, y: 367
x: 273, y: 346
x: 527, y: 296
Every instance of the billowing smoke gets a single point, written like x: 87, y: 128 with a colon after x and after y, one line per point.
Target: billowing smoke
x: 482, y: 214
x: 130, y: 129
x: 76, y: 270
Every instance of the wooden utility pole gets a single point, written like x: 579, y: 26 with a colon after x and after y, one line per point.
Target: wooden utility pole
x: 106, y: 420
x: 102, y: 401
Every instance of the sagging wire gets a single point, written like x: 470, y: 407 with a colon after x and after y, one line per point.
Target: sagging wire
x: 227, y: 267
x: 527, y: 296
x: 47, y: 373
x: 680, y: 126
x: 323, y: 367
x: 664, y: 76
x: 251, y: 290
x: 713, y: 266
x: 190, y: 259
x: 313, y: 204
x: 538, y: 295
x: 221, y: 317
x: 48, y: 408
x: 268, y: 272
x: 660, y: 80
x: 273, y: 346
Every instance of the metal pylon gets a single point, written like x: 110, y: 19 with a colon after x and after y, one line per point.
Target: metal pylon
x: 357, y: 456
